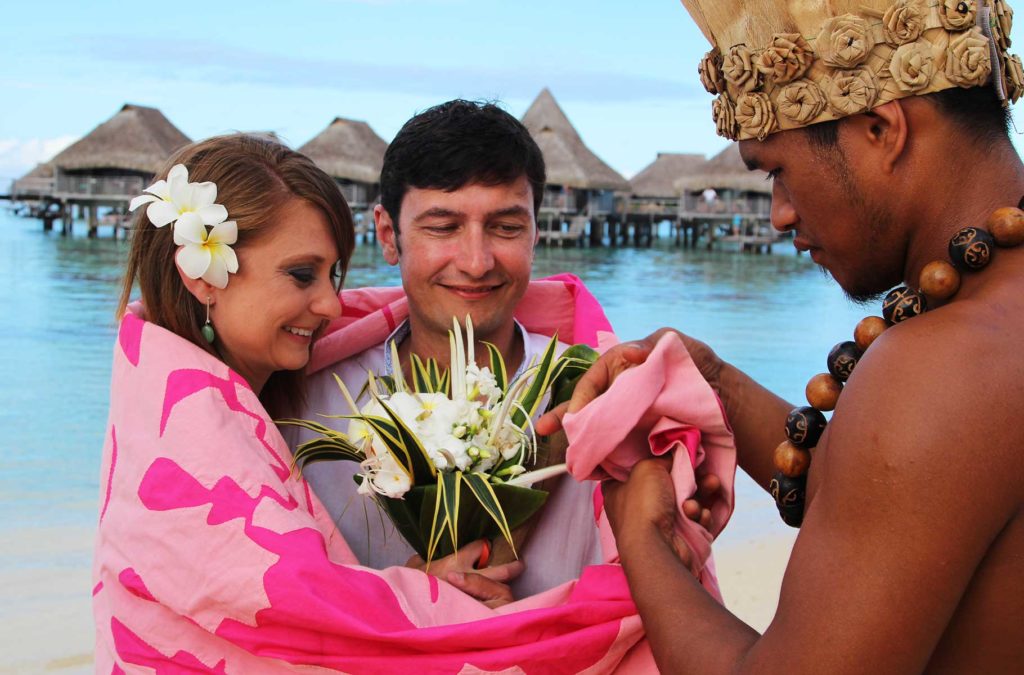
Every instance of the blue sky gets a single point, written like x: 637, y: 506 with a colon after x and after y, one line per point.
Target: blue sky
x: 625, y: 73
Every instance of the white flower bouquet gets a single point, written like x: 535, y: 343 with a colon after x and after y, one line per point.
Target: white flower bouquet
x: 450, y: 455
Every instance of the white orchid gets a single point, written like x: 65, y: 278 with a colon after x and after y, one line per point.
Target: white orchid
x: 482, y: 382
x: 206, y: 254
x: 175, y: 199
x: 383, y: 475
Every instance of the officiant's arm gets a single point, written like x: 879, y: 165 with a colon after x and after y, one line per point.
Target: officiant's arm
x: 896, y: 530
x: 756, y: 415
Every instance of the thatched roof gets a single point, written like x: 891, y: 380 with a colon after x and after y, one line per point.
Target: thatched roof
x: 569, y: 162
x: 658, y: 179
x: 136, y: 138
x: 43, y: 170
x: 348, y: 149
x: 726, y: 171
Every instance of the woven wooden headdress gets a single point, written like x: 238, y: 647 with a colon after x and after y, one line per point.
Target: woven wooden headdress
x: 785, y: 64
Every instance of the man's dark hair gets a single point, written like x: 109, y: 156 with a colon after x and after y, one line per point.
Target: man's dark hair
x: 455, y: 144
x: 977, y: 112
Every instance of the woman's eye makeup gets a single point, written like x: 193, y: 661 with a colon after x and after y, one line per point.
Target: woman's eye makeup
x: 303, y: 275
x: 337, y: 275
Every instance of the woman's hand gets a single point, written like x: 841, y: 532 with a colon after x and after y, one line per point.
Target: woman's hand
x: 489, y: 585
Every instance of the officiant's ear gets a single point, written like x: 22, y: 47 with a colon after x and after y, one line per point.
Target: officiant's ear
x: 386, y: 234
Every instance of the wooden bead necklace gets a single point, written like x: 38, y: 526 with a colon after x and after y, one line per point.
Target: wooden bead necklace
x: 971, y: 249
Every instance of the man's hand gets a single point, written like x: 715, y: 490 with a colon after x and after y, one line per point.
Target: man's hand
x: 486, y: 585
x: 618, y: 360
x: 489, y: 585
x: 644, y: 506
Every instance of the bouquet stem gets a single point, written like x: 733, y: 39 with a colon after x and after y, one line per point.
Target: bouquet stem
x: 530, y: 477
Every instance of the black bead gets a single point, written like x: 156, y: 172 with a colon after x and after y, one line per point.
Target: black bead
x: 790, y: 495
x: 903, y: 303
x: 962, y: 8
x: 971, y: 249
x: 842, y: 360
x: 804, y: 426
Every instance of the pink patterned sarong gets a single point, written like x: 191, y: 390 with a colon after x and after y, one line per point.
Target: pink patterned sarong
x: 211, y: 557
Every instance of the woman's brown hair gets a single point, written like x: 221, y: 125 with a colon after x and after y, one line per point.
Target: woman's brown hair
x: 255, y: 177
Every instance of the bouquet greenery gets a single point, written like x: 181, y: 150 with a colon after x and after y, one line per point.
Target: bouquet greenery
x: 450, y: 454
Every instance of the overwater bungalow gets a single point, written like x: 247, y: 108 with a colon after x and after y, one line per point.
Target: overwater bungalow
x: 738, y: 191
x: 654, y: 188
x: 114, y: 162
x: 654, y: 197
x: 580, y: 186
x: 725, y: 198
x: 36, y: 185
x: 352, y: 153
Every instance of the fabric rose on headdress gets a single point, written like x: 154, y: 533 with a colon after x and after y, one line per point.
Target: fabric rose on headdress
x: 738, y: 67
x: 787, y: 58
x: 1014, y: 77
x: 1004, y: 22
x: 913, y: 66
x: 957, y: 14
x: 724, y: 116
x: 844, y: 41
x: 710, y: 70
x: 968, y: 59
x: 756, y: 115
x: 853, y: 91
x: 801, y: 101
x: 903, y: 22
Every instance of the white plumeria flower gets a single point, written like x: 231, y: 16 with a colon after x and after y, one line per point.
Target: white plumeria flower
x: 206, y: 255
x: 175, y: 199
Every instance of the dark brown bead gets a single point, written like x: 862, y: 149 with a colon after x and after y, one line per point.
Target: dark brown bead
x: 823, y: 391
x: 971, y: 249
x: 804, y: 426
x: 939, y: 280
x: 790, y: 495
x: 843, y: 359
x: 791, y: 460
x: 869, y: 328
x: 903, y: 303
x: 1007, y: 226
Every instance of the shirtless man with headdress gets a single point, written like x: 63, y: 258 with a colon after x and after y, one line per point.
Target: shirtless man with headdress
x: 884, y: 127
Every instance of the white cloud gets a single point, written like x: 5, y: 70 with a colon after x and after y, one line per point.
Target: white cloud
x: 19, y: 155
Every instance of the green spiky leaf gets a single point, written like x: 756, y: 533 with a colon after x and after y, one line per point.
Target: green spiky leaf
x: 497, y: 366
x: 420, y: 463
x: 530, y: 399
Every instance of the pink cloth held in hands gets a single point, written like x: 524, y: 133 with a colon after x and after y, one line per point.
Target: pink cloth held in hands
x: 662, y: 406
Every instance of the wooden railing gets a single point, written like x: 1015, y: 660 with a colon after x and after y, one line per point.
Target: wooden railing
x: 753, y: 205
x: 32, y: 187
x: 99, y: 186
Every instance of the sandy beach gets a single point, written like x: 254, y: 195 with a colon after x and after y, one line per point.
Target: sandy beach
x: 46, y: 613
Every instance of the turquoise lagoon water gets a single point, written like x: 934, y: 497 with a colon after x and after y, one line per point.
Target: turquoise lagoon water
x: 776, y: 316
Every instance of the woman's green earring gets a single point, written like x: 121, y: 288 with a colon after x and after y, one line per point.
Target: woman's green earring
x: 207, y: 330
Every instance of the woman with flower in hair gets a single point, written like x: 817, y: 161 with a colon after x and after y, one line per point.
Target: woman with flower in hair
x: 212, y: 554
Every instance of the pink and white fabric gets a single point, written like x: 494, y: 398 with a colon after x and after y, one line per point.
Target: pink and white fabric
x: 663, y: 406
x: 211, y: 557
